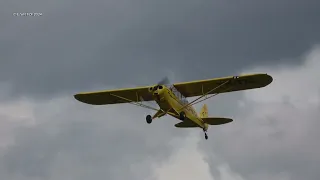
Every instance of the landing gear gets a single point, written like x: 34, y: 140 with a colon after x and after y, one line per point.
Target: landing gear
x: 149, y: 119
x: 205, y: 134
x: 182, y: 115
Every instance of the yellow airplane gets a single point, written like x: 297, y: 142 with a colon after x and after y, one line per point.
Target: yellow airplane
x: 172, y: 98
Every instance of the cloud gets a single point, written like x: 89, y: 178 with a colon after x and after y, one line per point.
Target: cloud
x: 14, y: 115
x: 275, y: 131
x: 188, y: 162
x: 76, y: 45
x: 72, y: 140
x: 274, y: 135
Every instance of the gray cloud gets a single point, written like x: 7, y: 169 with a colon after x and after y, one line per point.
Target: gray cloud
x: 81, y: 45
x: 77, y: 45
x: 274, y: 136
x: 84, y: 144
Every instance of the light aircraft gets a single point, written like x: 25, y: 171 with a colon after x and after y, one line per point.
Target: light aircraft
x: 172, y: 99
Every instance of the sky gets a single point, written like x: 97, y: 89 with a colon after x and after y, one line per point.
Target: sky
x: 79, y: 46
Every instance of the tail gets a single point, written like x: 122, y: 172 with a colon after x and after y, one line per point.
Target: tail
x: 204, y: 111
x: 212, y: 120
x: 204, y: 114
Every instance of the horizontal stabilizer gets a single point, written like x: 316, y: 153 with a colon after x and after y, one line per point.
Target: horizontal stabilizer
x: 186, y: 124
x: 216, y: 120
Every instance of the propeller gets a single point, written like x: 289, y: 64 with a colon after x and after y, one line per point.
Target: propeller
x: 164, y: 81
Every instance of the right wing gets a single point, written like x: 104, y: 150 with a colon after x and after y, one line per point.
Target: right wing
x: 115, y: 96
x: 243, y: 82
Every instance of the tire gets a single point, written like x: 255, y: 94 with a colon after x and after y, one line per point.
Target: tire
x: 149, y: 119
x: 182, y: 116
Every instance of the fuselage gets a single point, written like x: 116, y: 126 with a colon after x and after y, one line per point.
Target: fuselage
x: 171, y: 100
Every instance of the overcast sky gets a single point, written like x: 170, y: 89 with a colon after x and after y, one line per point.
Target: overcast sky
x: 93, y: 45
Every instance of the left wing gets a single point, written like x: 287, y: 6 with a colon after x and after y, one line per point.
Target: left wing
x: 115, y: 96
x: 232, y: 83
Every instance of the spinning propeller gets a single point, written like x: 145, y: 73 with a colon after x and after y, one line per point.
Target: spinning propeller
x: 164, y: 81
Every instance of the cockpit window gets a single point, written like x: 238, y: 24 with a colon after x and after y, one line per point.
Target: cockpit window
x: 179, y: 95
x: 160, y: 87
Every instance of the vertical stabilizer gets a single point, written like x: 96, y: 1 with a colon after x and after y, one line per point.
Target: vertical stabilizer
x: 204, y: 111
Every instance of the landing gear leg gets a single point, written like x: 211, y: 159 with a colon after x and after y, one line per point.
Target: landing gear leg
x: 149, y: 119
x: 182, y: 115
x: 205, y: 134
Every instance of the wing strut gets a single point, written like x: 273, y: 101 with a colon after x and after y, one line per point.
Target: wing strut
x: 209, y: 96
x: 195, y: 101
x: 135, y: 103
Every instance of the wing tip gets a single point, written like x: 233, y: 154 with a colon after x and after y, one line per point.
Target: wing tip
x: 83, y: 99
x: 268, y: 79
x: 78, y: 97
x: 263, y: 79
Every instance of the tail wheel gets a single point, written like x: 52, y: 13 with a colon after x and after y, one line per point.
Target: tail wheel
x: 149, y: 119
x: 205, y: 133
x: 182, y: 115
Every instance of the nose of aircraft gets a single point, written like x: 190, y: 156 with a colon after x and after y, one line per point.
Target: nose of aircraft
x: 157, y: 92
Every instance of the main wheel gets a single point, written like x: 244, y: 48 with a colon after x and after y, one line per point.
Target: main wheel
x: 149, y: 119
x: 206, y: 136
x: 182, y: 115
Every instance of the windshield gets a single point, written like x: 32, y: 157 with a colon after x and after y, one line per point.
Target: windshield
x: 178, y: 94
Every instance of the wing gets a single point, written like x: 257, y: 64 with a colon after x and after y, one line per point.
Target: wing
x: 216, y: 120
x: 186, y: 124
x: 115, y: 96
x: 238, y: 83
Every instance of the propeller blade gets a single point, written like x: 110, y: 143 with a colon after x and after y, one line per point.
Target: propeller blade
x: 164, y: 81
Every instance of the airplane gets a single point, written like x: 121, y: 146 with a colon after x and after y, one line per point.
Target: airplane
x: 172, y: 98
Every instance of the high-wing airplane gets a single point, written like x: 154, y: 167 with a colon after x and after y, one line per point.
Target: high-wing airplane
x: 172, y: 99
